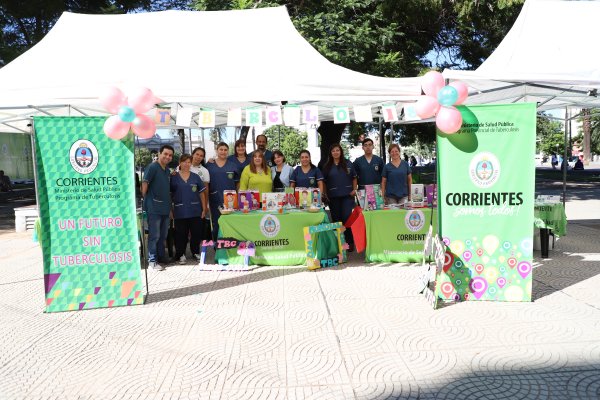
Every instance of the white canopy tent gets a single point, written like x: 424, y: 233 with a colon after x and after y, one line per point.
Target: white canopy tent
x: 547, y: 57
x: 216, y: 59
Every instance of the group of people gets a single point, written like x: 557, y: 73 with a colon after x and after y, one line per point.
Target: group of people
x: 195, y: 189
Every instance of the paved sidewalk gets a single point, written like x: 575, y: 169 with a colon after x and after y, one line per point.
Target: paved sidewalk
x: 353, y: 332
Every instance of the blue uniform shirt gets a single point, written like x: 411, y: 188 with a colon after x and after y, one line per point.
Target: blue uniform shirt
x: 158, y: 197
x: 339, y: 182
x: 309, y: 179
x: 186, y: 196
x: 221, y: 178
x: 396, y: 184
x: 240, y: 165
x: 369, y: 173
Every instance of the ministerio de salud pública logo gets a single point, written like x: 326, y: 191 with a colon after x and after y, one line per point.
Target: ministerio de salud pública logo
x: 83, y: 156
x: 269, y: 226
x: 414, y: 220
x: 484, y: 170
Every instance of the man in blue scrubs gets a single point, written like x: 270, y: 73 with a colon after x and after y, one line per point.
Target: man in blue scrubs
x: 368, y: 167
x: 261, y: 144
x: 157, y: 203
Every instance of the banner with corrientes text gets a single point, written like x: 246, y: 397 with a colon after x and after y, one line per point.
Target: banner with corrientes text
x: 486, y: 181
x: 86, y: 201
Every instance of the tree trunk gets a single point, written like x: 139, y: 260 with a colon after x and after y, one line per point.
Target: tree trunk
x: 587, y: 134
x: 330, y: 134
x: 181, y: 134
x: 244, y: 132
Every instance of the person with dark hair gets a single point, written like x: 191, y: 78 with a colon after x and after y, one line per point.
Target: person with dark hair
x: 307, y: 174
x: 340, y: 185
x: 5, y: 182
x: 189, y: 208
x: 157, y: 203
x: 280, y: 172
x: 257, y: 175
x: 369, y: 166
x: 223, y: 176
x: 397, y: 178
x: 413, y: 161
x: 239, y: 156
x: 261, y: 145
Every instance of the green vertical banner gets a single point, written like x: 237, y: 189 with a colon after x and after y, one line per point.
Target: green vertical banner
x: 486, y: 181
x: 86, y: 201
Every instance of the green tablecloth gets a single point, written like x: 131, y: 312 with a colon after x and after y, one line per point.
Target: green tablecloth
x: 397, y: 235
x: 551, y: 216
x: 278, y: 238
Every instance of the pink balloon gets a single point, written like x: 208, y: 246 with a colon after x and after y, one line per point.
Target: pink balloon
x: 432, y: 82
x: 115, y: 128
x: 144, y: 126
x: 427, y: 106
x: 448, y: 119
x: 463, y: 91
x: 113, y: 98
x: 141, y: 100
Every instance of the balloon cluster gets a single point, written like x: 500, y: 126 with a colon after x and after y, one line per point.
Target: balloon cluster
x: 440, y: 99
x: 129, y: 113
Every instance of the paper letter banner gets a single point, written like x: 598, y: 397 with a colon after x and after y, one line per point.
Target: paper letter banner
x: 341, y: 115
x: 86, y: 194
x: 206, y: 118
x: 162, y: 116
x: 273, y: 116
x: 184, y: 116
x: 291, y: 115
x: 310, y: 115
x: 486, y: 184
x: 254, y: 116
x: 389, y: 112
x: 363, y: 114
x: 234, y: 117
x: 410, y: 114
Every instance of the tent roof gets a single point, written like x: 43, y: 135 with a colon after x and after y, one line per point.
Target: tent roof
x: 217, y: 59
x: 547, y: 57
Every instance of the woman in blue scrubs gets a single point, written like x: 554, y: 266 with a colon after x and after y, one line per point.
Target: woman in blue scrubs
x: 239, y: 156
x: 189, y: 208
x: 396, y: 178
x: 223, y: 176
x: 340, y: 186
x: 307, y: 174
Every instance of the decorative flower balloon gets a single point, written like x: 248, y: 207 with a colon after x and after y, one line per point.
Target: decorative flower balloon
x: 440, y: 99
x: 129, y: 113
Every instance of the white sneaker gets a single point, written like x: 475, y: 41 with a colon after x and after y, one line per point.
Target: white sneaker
x: 182, y: 260
x: 155, y: 266
x: 197, y: 257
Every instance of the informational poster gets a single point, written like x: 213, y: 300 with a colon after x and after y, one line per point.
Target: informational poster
x: 86, y: 200
x: 486, y: 181
x: 397, y: 235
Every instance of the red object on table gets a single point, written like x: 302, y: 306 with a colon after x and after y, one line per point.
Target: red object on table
x: 356, y: 222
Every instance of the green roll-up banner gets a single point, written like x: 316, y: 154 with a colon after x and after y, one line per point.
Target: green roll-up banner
x: 486, y: 181
x: 86, y: 201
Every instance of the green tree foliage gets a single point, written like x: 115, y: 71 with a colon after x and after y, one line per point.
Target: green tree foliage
x: 24, y: 23
x: 142, y: 157
x: 594, y: 133
x: 289, y: 140
x: 550, y: 135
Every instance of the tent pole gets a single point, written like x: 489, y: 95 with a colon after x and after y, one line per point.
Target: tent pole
x: 381, y: 141
x: 565, y: 163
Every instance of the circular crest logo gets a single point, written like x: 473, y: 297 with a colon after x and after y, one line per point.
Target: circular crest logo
x: 230, y: 175
x: 414, y: 220
x: 269, y: 226
x: 83, y: 156
x: 484, y: 170
x: 312, y: 181
x: 377, y: 168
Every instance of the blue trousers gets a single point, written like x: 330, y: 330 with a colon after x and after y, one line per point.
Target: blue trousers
x: 341, y: 208
x: 158, y: 227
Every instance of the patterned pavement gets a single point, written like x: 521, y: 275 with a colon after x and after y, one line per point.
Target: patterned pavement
x: 352, y: 332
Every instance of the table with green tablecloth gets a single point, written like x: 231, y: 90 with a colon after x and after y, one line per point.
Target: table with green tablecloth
x: 279, y: 238
x: 550, y: 218
x: 397, y: 235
